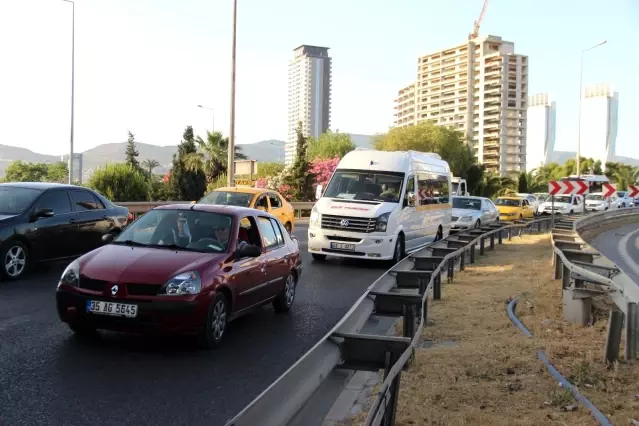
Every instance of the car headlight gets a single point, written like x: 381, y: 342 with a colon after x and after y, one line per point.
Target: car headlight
x: 382, y: 222
x: 184, y: 283
x: 466, y: 218
x: 71, y: 274
x: 315, y: 217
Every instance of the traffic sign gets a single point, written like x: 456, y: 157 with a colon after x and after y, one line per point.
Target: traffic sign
x: 633, y: 191
x: 608, y: 190
x: 567, y: 187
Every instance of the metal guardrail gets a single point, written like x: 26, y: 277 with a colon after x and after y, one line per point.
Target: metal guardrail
x: 140, y: 207
x: 411, y: 281
x: 584, y: 276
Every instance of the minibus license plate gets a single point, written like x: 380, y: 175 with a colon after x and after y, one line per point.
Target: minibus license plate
x: 342, y: 246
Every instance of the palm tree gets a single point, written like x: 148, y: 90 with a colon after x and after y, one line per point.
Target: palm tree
x: 150, y: 164
x: 626, y: 175
x: 212, y: 156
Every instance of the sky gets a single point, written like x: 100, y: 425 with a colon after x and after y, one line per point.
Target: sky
x: 145, y: 65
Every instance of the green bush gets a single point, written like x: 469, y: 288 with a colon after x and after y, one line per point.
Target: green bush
x: 120, y: 182
x: 219, y: 182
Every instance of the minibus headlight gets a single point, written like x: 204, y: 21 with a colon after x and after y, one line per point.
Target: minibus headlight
x: 382, y: 222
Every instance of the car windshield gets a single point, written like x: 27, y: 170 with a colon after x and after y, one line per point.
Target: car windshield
x: 179, y: 230
x: 507, y: 202
x: 560, y: 199
x: 364, y: 185
x: 621, y: 194
x: 466, y: 203
x: 596, y: 197
x: 14, y: 200
x: 227, y: 198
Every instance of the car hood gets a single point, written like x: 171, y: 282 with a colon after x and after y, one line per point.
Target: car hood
x: 6, y: 217
x: 595, y: 201
x: 119, y: 263
x: 465, y: 212
x: 557, y: 205
x: 352, y: 208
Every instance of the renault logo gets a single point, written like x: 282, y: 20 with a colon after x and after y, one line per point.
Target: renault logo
x: 114, y: 290
x: 344, y: 223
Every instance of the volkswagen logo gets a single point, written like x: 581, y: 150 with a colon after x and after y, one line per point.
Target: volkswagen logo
x: 344, y: 223
x: 114, y: 290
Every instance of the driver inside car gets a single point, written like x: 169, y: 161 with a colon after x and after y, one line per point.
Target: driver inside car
x: 178, y: 234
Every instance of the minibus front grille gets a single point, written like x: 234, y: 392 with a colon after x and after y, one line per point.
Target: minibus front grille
x: 348, y: 223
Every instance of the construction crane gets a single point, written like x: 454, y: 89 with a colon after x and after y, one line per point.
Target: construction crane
x: 478, y: 22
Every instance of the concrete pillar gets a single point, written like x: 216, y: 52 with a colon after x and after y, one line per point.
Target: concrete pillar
x: 576, y: 310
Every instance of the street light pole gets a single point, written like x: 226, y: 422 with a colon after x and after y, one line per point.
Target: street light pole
x: 581, y: 95
x: 72, y: 88
x: 230, y: 172
x: 213, y: 112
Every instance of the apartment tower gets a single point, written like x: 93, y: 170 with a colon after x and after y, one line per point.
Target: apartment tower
x: 540, y: 140
x: 598, y: 133
x: 309, y: 95
x: 479, y: 88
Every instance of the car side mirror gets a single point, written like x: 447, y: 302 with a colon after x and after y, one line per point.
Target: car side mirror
x: 42, y: 213
x: 318, y: 192
x: 108, y: 238
x: 410, y: 199
x: 248, y: 250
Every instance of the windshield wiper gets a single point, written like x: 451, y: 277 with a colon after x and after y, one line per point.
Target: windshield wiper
x: 169, y: 246
x: 130, y: 243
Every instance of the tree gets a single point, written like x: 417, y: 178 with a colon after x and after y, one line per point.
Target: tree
x: 329, y: 145
x: 323, y: 170
x: 301, y: 179
x: 474, y: 178
x: 131, y: 152
x: 427, y: 137
x: 186, y: 184
x: 522, y: 187
x: 269, y: 169
x: 20, y: 171
x: 58, y: 172
x: 211, y: 156
x: 120, y: 182
x: 149, y: 165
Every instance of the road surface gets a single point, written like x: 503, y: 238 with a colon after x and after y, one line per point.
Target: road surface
x: 47, y: 376
x: 621, y: 246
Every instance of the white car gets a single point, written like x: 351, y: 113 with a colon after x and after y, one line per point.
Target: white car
x: 563, y: 204
x: 472, y: 212
x: 596, y: 202
x: 624, y: 200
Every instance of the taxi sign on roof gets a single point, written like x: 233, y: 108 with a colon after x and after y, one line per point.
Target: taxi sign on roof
x: 244, y: 182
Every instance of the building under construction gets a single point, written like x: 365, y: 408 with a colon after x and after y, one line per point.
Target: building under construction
x: 480, y: 88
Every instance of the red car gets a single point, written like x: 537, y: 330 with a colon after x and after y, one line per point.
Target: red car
x: 182, y: 269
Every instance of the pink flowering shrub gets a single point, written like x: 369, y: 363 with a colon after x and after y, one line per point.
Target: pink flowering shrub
x: 286, y: 191
x: 262, y: 182
x: 323, y: 170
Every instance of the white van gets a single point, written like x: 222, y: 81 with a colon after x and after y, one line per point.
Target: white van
x: 381, y: 205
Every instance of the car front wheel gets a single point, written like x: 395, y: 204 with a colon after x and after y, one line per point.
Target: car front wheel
x: 14, y: 256
x: 216, y: 322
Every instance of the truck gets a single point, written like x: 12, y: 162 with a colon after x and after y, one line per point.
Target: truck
x: 460, y: 187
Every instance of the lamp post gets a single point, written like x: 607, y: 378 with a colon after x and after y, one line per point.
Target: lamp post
x: 72, y: 88
x: 230, y: 172
x: 213, y: 111
x: 581, y: 95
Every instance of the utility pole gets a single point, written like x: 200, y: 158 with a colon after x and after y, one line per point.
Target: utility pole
x: 72, y: 88
x: 230, y: 173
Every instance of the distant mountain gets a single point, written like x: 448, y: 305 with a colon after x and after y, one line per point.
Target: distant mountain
x: 268, y: 151
x: 560, y: 157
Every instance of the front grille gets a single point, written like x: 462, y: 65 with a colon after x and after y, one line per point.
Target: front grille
x: 91, y: 284
x: 344, y: 239
x: 143, y: 289
x: 347, y: 223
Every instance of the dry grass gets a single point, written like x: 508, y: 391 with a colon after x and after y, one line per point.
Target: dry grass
x: 491, y: 375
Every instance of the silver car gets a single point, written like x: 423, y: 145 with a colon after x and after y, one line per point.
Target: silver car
x: 472, y: 212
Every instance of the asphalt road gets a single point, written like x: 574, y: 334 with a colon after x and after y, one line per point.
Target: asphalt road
x: 621, y: 246
x: 50, y: 377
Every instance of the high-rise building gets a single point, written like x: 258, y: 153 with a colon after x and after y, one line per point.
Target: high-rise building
x: 598, y: 133
x: 479, y: 88
x: 309, y: 95
x: 540, y: 139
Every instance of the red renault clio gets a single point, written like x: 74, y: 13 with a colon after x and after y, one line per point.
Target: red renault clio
x: 182, y: 269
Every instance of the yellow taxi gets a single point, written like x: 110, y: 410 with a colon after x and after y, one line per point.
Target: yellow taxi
x: 514, y: 208
x: 256, y: 198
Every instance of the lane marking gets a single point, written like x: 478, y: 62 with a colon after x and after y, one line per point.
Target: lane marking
x: 622, y: 248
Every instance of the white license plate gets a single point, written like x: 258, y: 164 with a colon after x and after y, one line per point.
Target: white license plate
x: 112, y: 308
x: 342, y: 246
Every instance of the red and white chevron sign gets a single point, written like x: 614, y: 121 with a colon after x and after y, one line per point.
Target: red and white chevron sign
x: 567, y: 187
x: 608, y: 190
x: 633, y: 191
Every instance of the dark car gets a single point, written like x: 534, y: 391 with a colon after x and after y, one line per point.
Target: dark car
x: 48, y: 221
x: 182, y: 269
